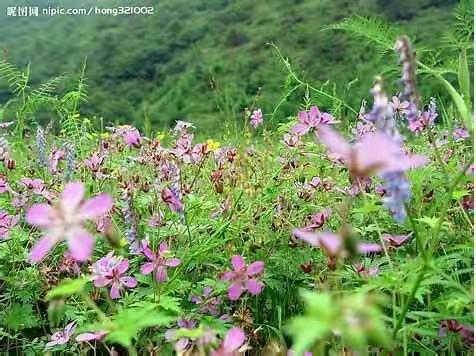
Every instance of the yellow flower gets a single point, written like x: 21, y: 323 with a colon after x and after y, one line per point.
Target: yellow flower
x: 212, y: 144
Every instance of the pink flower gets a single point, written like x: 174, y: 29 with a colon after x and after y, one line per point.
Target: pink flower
x: 395, y: 240
x: 256, y: 118
x: 6, y: 223
x: 291, y: 140
x: 460, y: 134
x: 333, y: 244
x: 64, y: 222
x: 110, y: 270
x: 319, y: 219
x: 364, y: 272
x: 94, y: 162
x: 243, y: 278
x: 55, y: 156
x: 159, y: 262
x: 310, y: 120
x: 400, y: 107
x: 62, y: 337
x: 132, y: 137
x: 91, y: 336
x: 374, y: 153
x: 234, y: 338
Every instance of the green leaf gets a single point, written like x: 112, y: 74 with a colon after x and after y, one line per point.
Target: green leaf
x: 127, y: 324
x: 464, y: 79
x: 431, y: 222
x: 67, y: 288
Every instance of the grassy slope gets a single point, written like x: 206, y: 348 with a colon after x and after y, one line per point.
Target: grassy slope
x: 206, y: 60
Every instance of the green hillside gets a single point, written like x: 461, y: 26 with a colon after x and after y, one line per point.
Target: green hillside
x: 206, y: 60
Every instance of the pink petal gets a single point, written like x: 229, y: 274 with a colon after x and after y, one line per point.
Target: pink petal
x: 238, y: 262
x: 172, y: 262
x: 123, y: 266
x: 147, y: 268
x: 310, y: 237
x: 253, y: 286
x: 115, y: 290
x: 331, y: 243
x: 300, y: 129
x: 100, y: 282
x: 255, y: 268
x: 234, y: 338
x: 161, y: 274
x: 129, y: 282
x: 41, y: 248
x: 147, y: 251
x: 334, y: 142
x: 40, y: 215
x: 364, y: 248
x: 72, y: 195
x: 80, y: 244
x: 96, y: 206
x: 234, y: 291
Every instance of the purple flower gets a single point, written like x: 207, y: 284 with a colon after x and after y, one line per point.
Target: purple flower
x: 111, y: 270
x: 243, y: 277
x: 159, y: 262
x: 62, y: 337
x: 64, y: 222
x: 234, y: 338
x: 172, y: 200
x: 208, y: 303
x: 91, y: 336
x: 256, y: 118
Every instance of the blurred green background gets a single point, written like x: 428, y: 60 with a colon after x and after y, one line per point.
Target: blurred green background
x: 207, y: 60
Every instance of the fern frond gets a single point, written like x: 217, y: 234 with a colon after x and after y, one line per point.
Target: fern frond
x: 47, y: 88
x: 17, y: 79
x: 374, y: 30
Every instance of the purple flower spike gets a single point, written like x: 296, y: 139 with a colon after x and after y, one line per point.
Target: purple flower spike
x: 62, y: 337
x: 111, y: 270
x: 159, y: 262
x: 65, y: 222
x: 172, y: 200
x: 242, y: 277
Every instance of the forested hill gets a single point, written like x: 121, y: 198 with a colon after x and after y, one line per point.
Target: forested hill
x: 205, y: 60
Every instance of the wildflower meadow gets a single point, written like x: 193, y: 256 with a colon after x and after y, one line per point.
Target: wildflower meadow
x: 337, y: 230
